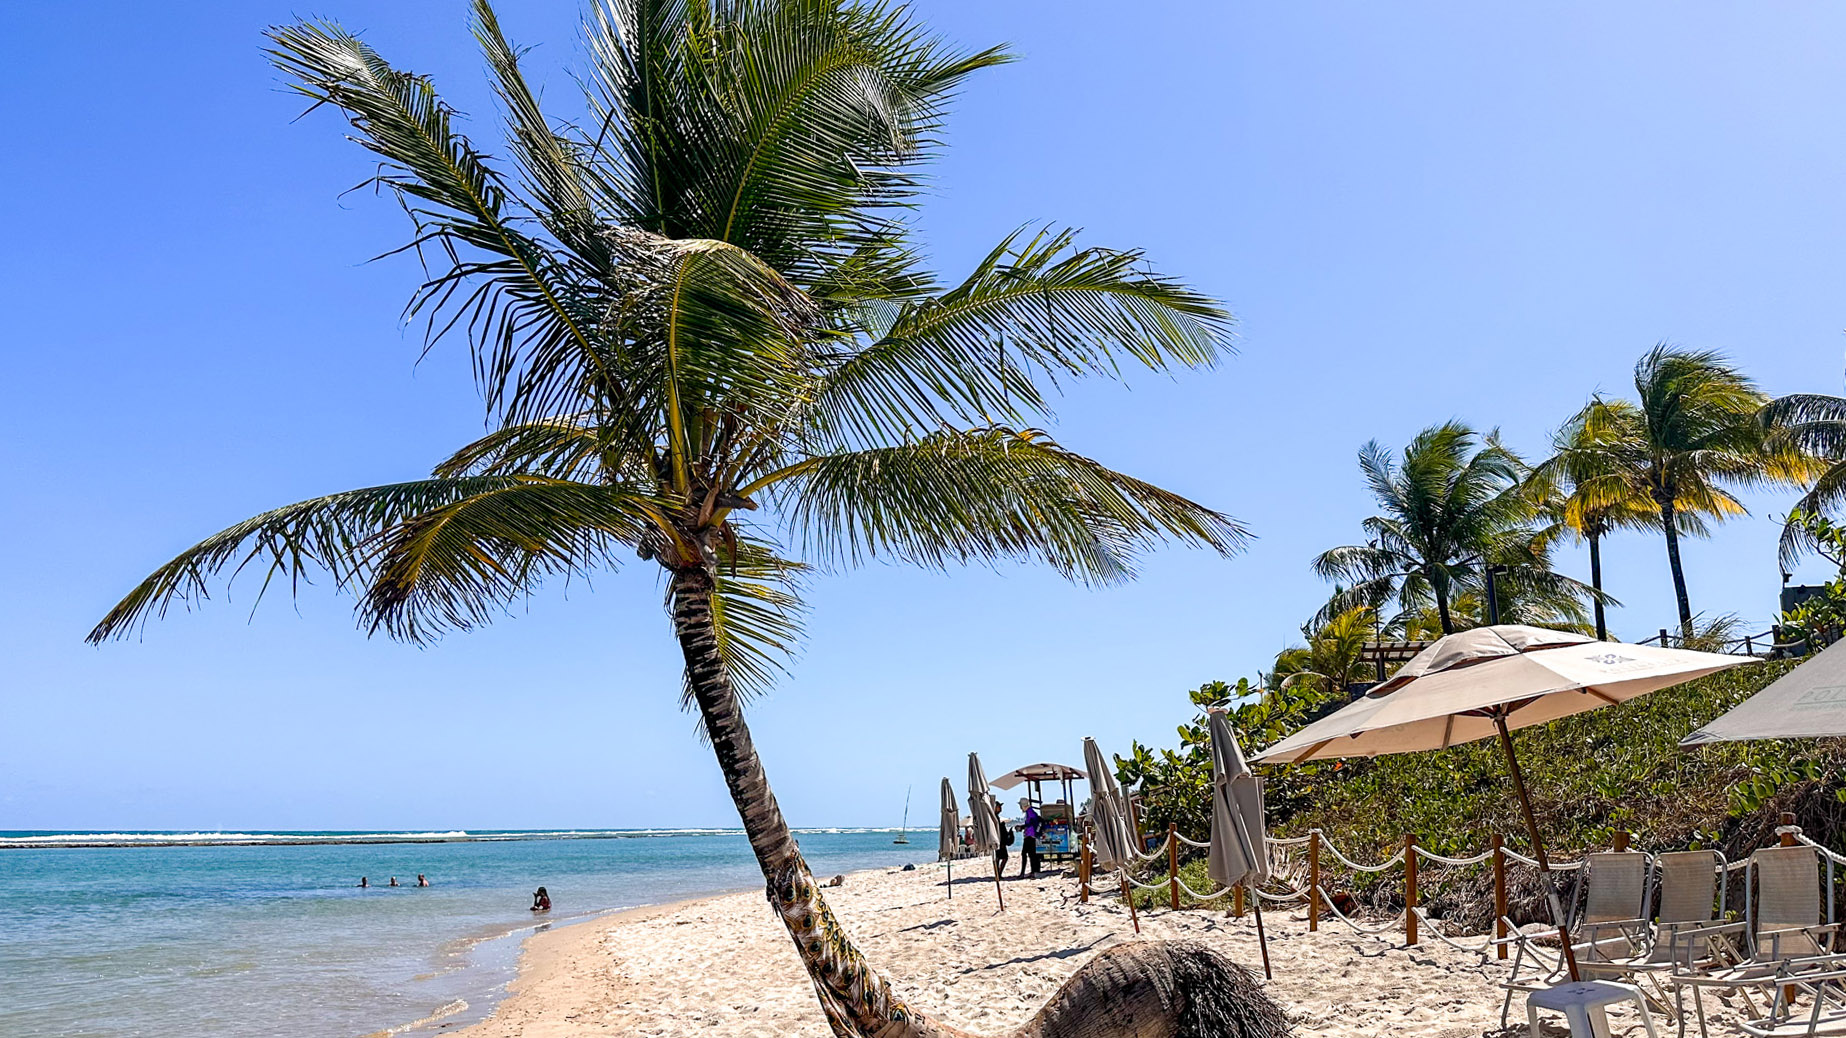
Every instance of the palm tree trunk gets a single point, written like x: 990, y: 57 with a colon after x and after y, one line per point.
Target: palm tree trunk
x: 1679, y: 572
x: 1152, y: 989
x: 1602, y: 626
x: 1442, y: 605
x: 858, y: 1000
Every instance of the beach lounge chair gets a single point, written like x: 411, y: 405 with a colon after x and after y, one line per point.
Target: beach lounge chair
x: 1783, y: 946
x: 1691, y: 898
x: 1614, y: 889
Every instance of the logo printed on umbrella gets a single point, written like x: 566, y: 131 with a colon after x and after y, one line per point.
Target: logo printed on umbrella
x: 1610, y: 659
x: 1825, y: 695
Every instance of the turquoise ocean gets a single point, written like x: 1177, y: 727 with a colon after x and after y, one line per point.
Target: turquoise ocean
x: 109, y: 935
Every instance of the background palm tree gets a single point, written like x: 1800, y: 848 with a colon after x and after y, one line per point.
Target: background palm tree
x: 1450, y: 508
x: 1695, y: 433
x: 1581, y: 491
x: 1330, y: 659
x: 1813, y: 424
x: 699, y: 327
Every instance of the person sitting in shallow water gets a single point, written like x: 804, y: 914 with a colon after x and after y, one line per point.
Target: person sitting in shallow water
x: 363, y: 882
x: 393, y: 882
x: 541, y: 901
x: 421, y: 882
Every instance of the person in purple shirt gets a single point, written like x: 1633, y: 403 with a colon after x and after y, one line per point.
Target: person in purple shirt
x: 1028, y: 829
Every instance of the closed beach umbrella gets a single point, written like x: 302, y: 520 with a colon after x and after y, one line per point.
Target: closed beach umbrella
x: 1239, y: 854
x: 1808, y: 702
x: 981, y: 808
x: 1490, y: 680
x: 986, y: 820
x: 948, y: 837
x: 1114, y: 844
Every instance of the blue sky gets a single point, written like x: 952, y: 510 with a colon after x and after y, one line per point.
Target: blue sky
x: 1418, y: 212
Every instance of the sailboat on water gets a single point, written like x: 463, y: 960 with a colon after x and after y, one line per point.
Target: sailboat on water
x: 901, y: 833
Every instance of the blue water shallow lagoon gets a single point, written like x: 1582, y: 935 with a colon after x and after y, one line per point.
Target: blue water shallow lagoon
x: 108, y: 935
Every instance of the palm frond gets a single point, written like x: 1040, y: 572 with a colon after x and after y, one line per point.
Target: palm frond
x: 340, y: 534
x: 1034, y: 305
x: 987, y: 495
x: 527, y: 308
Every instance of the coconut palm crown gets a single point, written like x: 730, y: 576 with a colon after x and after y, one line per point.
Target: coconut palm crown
x: 1696, y: 432
x: 1450, y: 508
x: 704, y: 339
x: 1588, y: 495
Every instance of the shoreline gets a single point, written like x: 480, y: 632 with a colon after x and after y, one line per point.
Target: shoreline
x: 555, y: 951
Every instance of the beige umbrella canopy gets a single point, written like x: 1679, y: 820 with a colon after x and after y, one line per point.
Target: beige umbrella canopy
x: 1808, y: 702
x: 948, y: 835
x: 1467, y: 686
x: 1486, y: 682
x: 981, y: 808
x: 1115, y: 840
x: 986, y: 820
x: 1239, y: 853
x: 1114, y: 844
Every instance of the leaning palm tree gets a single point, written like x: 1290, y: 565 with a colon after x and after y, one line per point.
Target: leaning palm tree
x: 1696, y: 432
x: 701, y: 334
x: 1450, y: 509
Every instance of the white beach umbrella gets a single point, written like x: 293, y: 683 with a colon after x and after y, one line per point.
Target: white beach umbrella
x: 1239, y: 854
x: 1485, y: 682
x: 1114, y: 844
x: 948, y: 836
x: 1808, y: 702
x: 986, y: 818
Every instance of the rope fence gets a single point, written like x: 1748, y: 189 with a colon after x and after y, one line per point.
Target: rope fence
x: 1320, y: 852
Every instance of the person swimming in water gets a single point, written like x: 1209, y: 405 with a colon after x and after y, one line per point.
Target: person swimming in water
x: 541, y: 901
x: 363, y: 882
x: 421, y: 882
x: 393, y: 882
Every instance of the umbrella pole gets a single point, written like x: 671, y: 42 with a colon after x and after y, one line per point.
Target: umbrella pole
x: 951, y: 879
x: 1262, y: 939
x: 1129, y: 897
x: 997, y: 895
x: 1538, y: 845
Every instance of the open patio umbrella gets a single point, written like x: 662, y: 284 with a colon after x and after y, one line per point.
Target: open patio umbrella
x: 1239, y: 854
x: 948, y: 837
x: 1114, y: 840
x: 986, y: 819
x: 1808, y: 702
x: 1485, y: 682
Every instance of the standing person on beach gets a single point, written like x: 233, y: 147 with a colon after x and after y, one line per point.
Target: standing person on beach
x: 1006, y: 840
x: 1028, y: 826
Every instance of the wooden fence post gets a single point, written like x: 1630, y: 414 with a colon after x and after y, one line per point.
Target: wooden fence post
x: 1620, y: 842
x: 1173, y: 862
x: 1410, y: 890
x: 1083, y: 870
x: 1313, y: 880
x: 1499, y: 892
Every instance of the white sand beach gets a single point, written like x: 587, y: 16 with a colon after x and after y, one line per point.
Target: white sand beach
x: 723, y: 967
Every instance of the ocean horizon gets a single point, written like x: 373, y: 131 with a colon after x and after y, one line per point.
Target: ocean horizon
x: 156, y: 933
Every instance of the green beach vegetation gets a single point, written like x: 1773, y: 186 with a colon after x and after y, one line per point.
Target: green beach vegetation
x: 1456, y: 503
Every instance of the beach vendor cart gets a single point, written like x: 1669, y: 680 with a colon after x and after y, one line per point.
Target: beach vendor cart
x: 1057, y: 816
